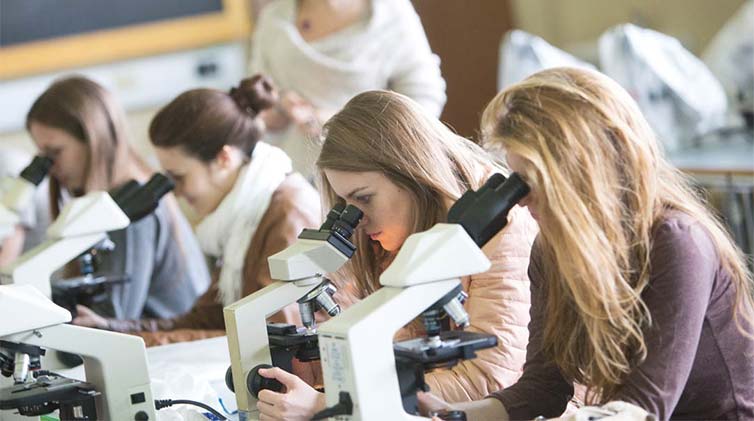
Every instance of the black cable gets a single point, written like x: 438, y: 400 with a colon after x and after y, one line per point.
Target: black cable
x: 164, y: 403
x: 343, y: 407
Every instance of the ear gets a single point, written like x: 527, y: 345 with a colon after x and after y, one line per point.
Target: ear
x: 226, y: 159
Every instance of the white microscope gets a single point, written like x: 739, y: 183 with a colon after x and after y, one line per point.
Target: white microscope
x: 17, y: 193
x: 367, y: 376
x: 82, y: 224
x: 117, y: 383
x: 299, y: 271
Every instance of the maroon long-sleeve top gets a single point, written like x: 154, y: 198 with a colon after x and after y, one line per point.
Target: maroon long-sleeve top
x: 699, y: 364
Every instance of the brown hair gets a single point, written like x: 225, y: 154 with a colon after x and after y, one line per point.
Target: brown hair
x: 88, y: 112
x: 604, y: 187
x: 391, y: 134
x: 202, y: 121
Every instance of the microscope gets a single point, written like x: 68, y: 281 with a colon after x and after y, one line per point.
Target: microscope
x: 82, y: 224
x: 117, y: 385
x: 17, y: 193
x: 91, y: 287
x: 299, y: 273
x: 367, y: 376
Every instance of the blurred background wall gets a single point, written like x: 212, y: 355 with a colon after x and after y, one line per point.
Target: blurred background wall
x: 467, y: 34
x: 162, y: 57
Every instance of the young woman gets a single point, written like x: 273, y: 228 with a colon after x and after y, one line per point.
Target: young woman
x: 320, y: 53
x: 638, y: 291
x: 250, y: 203
x: 79, y: 125
x: 386, y: 155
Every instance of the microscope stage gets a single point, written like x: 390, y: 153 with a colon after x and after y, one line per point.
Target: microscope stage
x: 45, y: 395
x: 454, y: 346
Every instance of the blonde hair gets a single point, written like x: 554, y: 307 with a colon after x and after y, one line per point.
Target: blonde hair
x: 603, y: 186
x: 389, y: 133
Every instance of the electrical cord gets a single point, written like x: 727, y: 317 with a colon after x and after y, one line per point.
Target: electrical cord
x: 343, y: 407
x: 164, y: 403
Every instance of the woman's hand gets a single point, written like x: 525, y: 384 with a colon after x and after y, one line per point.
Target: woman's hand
x: 301, y: 113
x: 88, y: 318
x: 299, y: 401
x: 429, y: 403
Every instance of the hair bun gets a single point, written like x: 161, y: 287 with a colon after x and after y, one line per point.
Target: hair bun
x: 255, y: 94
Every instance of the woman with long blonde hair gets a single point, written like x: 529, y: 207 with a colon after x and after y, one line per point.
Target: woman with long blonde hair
x: 638, y: 292
x: 384, y: 154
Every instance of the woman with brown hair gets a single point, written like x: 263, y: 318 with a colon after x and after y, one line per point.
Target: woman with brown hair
x: 638, y: 292
x: 78, y: 124
x: 388, y: 156
x: 251, y: 203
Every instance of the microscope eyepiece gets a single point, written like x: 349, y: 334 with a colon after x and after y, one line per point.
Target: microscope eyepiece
x: 351, y: 215
x: 513, y: 189
x: 332, y: 216
x: 139, y: 201
x: 159, y: 185
x: 122, y: 193
x: 348, y: 221
x: 37, y: 170
x: 483, y: 213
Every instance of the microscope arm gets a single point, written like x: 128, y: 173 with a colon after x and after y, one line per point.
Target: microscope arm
x: 83, y: 223
x: 357, y: 348
x: 246, y: 327
x: 37, y: 265
x: 115, y: 363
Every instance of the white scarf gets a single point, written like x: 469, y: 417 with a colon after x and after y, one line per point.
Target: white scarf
x: 226, y: 233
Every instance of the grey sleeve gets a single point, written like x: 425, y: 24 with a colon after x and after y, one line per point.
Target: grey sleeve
x: 542, y: 389
x: 683, y: 272
x: 166, y: 268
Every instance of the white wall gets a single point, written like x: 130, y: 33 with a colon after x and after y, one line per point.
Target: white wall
x: 574, y: 25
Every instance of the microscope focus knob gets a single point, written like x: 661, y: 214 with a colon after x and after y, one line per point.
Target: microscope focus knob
x: 141, y: 416
x: 448, y: 415
x: 229, y: 379
x: 255, y: 382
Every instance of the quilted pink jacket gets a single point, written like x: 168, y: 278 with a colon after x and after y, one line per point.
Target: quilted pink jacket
x: 498, y: 304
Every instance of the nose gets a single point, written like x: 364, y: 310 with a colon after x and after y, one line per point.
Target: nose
x: 363, y: 223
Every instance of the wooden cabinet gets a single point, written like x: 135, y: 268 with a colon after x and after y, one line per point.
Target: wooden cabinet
x: 466, y: 34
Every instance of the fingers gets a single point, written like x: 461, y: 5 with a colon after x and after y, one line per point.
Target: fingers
x: 84, y: 310
x: 287, y: 379
x: 263, y: 417
x: 266, y: 410
x: 430, y: 403
x: 269, y: 397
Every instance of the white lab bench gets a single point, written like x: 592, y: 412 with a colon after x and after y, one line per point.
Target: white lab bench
x: 198, y: 367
